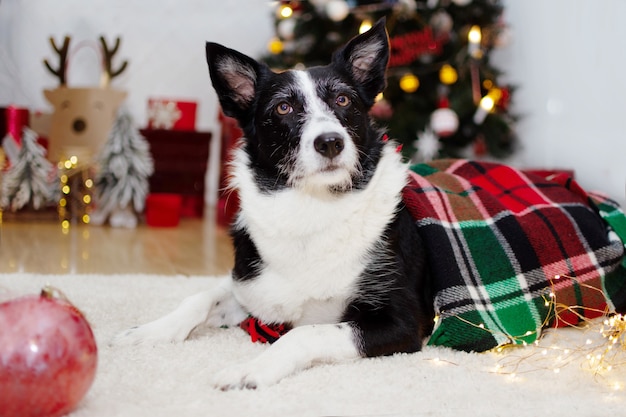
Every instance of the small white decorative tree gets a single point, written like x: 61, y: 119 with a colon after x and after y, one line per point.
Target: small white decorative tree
x: 121, y: 181
x: 31, y: 180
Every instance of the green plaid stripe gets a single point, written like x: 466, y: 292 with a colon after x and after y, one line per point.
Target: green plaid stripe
x: 614, y: 284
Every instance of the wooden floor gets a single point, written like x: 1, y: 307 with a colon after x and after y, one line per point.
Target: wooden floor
x: 195, y: 247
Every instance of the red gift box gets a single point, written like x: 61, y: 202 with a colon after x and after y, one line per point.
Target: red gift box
x: 171, y: 114
x: 16, y: 118
x: 163, y: 209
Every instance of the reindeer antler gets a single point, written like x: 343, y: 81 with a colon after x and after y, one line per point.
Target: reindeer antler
x: 109, y: 73
x: 62, y: 52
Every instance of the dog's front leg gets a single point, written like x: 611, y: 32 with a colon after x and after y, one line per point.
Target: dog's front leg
x: 298, y: 349
x: 216, y: 307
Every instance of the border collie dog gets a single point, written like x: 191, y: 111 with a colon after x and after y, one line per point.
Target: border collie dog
x: 323, y: 244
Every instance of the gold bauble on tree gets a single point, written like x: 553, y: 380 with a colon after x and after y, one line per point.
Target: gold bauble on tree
x: 447, y: 74
x: 409, y: 83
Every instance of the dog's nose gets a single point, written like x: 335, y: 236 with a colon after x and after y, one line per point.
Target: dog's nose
x: 329, y: 145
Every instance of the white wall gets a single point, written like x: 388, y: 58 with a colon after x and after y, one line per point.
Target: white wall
x: 566, y: 56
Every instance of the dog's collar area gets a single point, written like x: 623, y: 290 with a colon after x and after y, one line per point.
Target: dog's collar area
x: 261, y: 332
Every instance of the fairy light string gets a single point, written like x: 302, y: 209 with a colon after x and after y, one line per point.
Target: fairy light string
x: 76, y: 180
x: 602, y: 352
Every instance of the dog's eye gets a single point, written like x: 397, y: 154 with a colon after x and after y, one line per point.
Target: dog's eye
x: 283, y: 109
x: 342, y: 100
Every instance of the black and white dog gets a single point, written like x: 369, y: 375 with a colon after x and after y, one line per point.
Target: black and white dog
x: 322, y: 241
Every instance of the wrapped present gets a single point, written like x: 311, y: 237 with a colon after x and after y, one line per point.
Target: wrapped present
x: 171, y: 114
x: 180, y: 164
x: 163, y: 209
x: 16, y: 118
x: 13, y: 120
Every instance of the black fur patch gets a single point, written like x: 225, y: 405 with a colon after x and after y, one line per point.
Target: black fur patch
x: 392, y: 310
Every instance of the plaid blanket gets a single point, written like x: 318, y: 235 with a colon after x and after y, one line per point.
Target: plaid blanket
x: 512, y: 253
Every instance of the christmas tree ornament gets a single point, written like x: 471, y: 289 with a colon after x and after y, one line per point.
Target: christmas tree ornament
x: 286, y: 29
x: 441, y: 22
x: 337, y: 10
x: 444, y: 122
x: 447, y: 74
x: 496, y: 95
x: 48, y: 355
x: 382, y: 109
x: 405, y: 9
x: 503, y: 38
x: 275, y: 46
x: 409, y: 83
x: 428, y: 146
x: 505, y: 98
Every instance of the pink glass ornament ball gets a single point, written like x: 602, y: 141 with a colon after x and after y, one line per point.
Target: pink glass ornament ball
x: 48, y: 356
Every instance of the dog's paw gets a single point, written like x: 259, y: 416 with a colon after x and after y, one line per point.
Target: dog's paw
x: 149, y: 334
x: 235, y: 377
x: 250, y: 375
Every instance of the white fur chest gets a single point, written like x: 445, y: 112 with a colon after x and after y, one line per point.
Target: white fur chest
x: 313, y: 247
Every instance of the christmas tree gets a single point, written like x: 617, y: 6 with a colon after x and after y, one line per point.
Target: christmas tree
x: 30, y: 180
x: 443, y: 96
x: 121, y: 182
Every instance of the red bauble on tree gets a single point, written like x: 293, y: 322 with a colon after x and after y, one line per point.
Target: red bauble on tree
x: 48, y: 356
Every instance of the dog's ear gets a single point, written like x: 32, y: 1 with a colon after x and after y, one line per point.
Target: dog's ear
x: 235, y: 77
x: 365, y: 59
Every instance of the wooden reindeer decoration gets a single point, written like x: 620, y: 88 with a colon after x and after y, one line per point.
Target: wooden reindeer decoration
x: 82, y: 117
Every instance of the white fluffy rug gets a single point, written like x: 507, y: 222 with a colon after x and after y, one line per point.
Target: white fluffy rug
x: 552, y: 379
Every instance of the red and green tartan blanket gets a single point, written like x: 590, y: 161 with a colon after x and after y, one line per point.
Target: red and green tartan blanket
x: 497, y: 239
